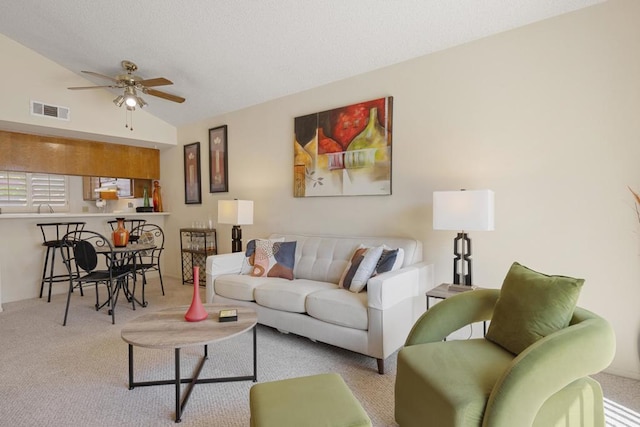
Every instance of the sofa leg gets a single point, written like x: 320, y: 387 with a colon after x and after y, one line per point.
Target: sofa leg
x: 380, y: 366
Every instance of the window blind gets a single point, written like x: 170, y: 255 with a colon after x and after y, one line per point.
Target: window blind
x: 13, y: 188
x: 29, y: 190
x: 48, y: 189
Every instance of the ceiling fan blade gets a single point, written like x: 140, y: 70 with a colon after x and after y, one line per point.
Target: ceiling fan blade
x: 90, y: 87
x: 100, y: 75
x: 164, y: 95
x: 160, y: 81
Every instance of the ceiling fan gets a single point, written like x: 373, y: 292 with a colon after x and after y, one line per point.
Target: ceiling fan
x: 131, y: 83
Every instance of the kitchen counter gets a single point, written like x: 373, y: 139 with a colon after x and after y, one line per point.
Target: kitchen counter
x: 47, y: 216
x: 22, y: 253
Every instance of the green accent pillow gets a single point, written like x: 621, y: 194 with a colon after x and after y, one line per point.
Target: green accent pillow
x: 531, y: 306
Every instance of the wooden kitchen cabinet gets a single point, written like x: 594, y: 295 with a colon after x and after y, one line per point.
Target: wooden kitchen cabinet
x: 65, y: 156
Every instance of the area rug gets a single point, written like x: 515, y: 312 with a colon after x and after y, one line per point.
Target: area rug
x: 77, y: 375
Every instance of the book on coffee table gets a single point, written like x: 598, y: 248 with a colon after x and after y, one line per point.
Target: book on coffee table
x: 230, y: 315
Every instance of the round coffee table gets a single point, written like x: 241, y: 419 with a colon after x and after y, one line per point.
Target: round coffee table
x: 168, y: 329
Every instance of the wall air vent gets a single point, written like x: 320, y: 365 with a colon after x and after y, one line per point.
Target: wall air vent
x: 55, y: 111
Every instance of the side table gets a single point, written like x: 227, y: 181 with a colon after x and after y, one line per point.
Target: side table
x: 442, y: 292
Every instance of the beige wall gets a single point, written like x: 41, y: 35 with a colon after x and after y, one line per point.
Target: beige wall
x: 546, y: 116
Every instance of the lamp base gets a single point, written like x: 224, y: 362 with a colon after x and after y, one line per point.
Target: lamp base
x: 236, y: 239
x: 462, y: 259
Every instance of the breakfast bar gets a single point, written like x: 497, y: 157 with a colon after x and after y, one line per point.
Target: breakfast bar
x: 21, y: 261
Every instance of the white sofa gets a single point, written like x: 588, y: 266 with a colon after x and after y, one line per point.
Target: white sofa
x: 374, y: 322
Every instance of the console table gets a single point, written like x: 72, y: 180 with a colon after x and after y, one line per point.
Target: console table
x: 196, y: 244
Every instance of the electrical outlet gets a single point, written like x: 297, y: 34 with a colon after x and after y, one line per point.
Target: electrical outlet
x: 130, y: 204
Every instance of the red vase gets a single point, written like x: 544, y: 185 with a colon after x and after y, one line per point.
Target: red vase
x: 157, y: 197
x: 197, y: 311
x: 120, y: 235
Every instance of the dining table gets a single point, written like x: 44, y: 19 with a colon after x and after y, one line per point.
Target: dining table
x: 125, y: 257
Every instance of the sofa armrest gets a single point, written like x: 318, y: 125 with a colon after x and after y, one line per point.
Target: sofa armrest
x: 218, y: 265
x: 452, y: 314
x: 547, y: 366
x: 387, y: 289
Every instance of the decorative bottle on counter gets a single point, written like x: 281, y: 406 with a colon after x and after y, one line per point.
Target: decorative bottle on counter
x: 145, y: 196
x: 157, y: 197
x: 120, y: 234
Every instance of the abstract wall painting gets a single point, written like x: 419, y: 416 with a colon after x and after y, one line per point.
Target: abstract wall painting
x: 345, y: 151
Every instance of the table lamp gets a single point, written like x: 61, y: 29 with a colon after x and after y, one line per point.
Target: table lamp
x: 463, y: 211
x: 235, y: 212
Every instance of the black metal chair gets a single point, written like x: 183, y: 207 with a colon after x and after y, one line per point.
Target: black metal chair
x: 80, y: 253
x: 52, y: 233
x: 130, y: 224
x: 149, y: 260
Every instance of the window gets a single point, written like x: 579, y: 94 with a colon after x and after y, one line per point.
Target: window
x: 24, y: 192
x: 122, y: 184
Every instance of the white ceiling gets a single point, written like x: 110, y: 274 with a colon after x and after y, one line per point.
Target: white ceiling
x: 226, y: 55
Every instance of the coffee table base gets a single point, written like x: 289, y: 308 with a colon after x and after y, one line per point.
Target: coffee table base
x: 182, y: 403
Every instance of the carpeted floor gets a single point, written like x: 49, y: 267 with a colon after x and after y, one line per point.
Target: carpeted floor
x: 77, y: 375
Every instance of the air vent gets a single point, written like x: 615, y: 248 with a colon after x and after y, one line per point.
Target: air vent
x: 48, y: 110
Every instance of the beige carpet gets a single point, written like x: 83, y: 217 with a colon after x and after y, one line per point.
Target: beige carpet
x: 77, y: 375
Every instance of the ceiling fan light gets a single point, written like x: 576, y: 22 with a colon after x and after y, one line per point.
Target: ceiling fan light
x: 141, y: 102
x: 119, y: 101
x: 130, y: 101
x: 130, y: 97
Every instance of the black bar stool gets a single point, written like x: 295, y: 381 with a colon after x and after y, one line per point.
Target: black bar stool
x: 52, y: 234
x: 130, y: 224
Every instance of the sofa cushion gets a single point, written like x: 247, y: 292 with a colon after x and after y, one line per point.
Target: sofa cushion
x: 324, y: 258
x: 531, y: 306
x: 274, y: 259
x: 287, y: 295
x: 390, y: 260
x: 237, y: 286
x: 363, y: 263
x: 250, y: 253
x: 340, y: 307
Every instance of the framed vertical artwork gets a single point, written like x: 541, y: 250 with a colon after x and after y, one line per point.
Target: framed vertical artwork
x: 345, y: 151
x: 192, y: 187
x: 218, y: 160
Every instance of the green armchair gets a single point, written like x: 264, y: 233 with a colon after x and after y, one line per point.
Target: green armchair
x: 477, y: 382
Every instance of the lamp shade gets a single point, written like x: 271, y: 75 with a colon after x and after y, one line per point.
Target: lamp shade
x: 235, y: 212
x: 463, y: 210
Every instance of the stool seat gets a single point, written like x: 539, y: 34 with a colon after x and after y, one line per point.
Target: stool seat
x: 322, y: 400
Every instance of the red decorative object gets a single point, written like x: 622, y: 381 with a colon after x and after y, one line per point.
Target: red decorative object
x: 120, y: 235
x: 157, y: 197
x: 197, y: 311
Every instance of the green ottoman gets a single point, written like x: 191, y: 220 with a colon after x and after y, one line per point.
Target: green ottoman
x: 318, y: 400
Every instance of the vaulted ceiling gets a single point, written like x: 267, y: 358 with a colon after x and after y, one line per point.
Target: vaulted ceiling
x: 226, y: 55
